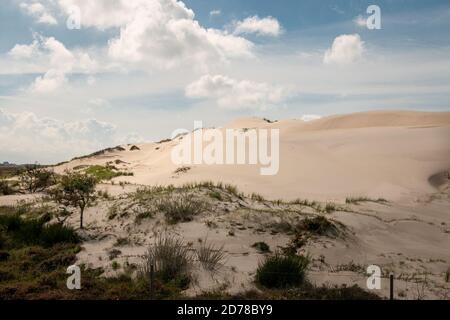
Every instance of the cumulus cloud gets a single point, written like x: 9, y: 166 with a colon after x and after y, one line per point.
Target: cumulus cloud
x: 346, y: 48
x: 235, y: 94
x: 39, y: 12
x: 267, y: 26
x: 25, y: 135
x: 58, y: 59
x: 158, y: 33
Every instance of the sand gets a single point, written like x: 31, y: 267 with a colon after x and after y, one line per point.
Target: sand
x: 389, y: 154
x: 401, y: 156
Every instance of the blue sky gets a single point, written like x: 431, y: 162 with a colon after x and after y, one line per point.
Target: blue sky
x: 137, y: 70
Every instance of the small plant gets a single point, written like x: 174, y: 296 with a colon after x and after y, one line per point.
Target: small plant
x: 181, y: 208
x: 169, y: 257
x: 261, y: 247
x: 330, y: 207
x: 447, y: 275
x: 282, y: 271
x: 318, y: 225
x: 257, y: 197
x: 6, y: 188
x: 114, y: 253
x: 115, y: 265
x: 76, y: 190
x: 216, y: 195
x: 210, y: 257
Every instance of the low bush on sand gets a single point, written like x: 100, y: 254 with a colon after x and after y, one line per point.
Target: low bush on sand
x: 170, y: 258
x: 282, y: 271
x: 181, y: 207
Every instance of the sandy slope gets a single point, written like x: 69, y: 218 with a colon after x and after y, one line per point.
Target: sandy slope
x: 388, y: 154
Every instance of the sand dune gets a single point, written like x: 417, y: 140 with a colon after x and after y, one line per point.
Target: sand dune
x: 389, y: 154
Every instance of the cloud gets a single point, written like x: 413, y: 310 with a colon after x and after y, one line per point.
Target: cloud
x: 215, y: 13
x: 268, y: 26
x: 39, y: 12
x: 57, y: 59
x: 25, y: 135
x: 346, y: 48
x: 360, y: 21
x: 158, y: 33
x: 234, y: 94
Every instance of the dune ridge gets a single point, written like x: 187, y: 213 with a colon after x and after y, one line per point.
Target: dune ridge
x: 388, y: 154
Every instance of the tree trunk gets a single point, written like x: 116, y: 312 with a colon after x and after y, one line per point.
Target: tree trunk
x: 81, y: 217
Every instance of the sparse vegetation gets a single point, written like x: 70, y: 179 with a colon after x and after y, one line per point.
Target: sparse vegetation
x: 282, y: 271
x: 447, y: 275
x: 181, y: 207
x: 75, y: 190
x: 35, y: 178
x: 102, y: 173
x: 6, y: 188
x: 318, y: 225
x: 170, y: 259
x: 261, y: 247
x: 209, y: 256
x: 357, y: 200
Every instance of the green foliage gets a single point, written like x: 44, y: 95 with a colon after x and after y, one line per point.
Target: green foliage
x: 280, y: 271
x: 19, y: 232
x: 6, y: 188
x: 181, y: 207
x: 447, y: 275
x: 102, y: 173
x: 76, y: 190
x: 170, y: 258
x: 35, y: 178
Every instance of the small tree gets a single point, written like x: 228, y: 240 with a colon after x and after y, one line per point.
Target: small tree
x: 36, y: 179
x: 75, y: 190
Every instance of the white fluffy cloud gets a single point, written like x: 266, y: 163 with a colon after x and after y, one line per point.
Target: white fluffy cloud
x: 39, y: 12
x: 268, y: 26
x: 59, y: 61
x: 24, y: 135
x: 346, y: 48
x: 158, y: 33
x: 235, y: 94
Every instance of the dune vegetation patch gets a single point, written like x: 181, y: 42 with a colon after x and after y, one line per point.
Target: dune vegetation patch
x: 282, y: 271
x: 102, y: 173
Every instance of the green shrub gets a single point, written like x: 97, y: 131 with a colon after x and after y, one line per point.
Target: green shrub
x: 281, y: 271
x: 101, y: 172
x: 447, y: 275
x: 58, y: 233
x: 35, y: 232
x: 170, y: 258
x: 181, y: 208
x: 5, y: 188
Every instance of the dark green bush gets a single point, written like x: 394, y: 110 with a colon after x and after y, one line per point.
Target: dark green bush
x: 35, y: 232
x: 57, y: 233
x: 281, y: 271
